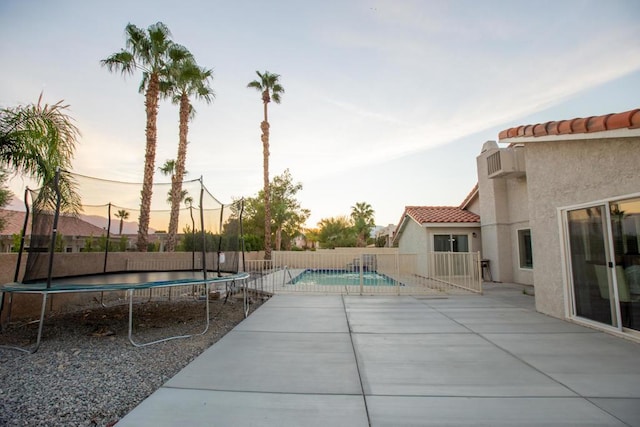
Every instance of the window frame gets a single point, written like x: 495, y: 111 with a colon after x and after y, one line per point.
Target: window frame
x: 525, y: 248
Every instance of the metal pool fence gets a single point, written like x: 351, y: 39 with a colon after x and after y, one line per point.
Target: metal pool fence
x: 444, y: 273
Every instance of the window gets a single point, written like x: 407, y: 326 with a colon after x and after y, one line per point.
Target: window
x: 524, y: 247
x: 450, y: 243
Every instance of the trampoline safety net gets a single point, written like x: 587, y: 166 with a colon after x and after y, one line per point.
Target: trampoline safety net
x: 79, y: 225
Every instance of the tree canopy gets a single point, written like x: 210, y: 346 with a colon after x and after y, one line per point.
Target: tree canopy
x: 336, y: 232
x: 288, y: 215
x: 362, y: 215
x: 38, y: 140
x: 151, y: 51
x: 343, y: 231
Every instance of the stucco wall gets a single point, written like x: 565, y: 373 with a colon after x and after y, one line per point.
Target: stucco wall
x: 565, y: 173
x: 474, y: 206
x: 414, y: 241
x: 503, y: 211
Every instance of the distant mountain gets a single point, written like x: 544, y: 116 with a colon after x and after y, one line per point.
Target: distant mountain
x: 128, y: 227
x: 15, y: 204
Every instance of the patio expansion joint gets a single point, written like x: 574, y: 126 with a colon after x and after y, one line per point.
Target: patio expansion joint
x: 298, y: 393
x: 511, y: 354
x: 476, y: 396
x: 253, y: 331
x: 412, y: 333
x: 590, y: 400
x: 355, y: 355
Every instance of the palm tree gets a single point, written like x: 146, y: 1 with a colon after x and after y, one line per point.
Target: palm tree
x: 362, y: 216
x: 37, y: 140
x: 168, y: 169
x: 270, y: 88
x: 122, y: 214
x: 149, y: 52
x: 185, y: 80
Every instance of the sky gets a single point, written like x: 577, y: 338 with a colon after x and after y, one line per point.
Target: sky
x: 386, y: 102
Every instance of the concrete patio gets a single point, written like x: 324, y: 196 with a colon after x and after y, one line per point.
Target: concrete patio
x: 403, y: 361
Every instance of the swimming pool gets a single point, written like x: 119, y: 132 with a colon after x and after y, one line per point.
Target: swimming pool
x: 342, y: 278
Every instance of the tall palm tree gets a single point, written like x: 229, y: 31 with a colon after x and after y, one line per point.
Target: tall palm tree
x: 149, y: 51
x: 362, y: 216
x: 269, y: 86
x: 122, y: 214
x: 168, y: 169
x: 37, y: 140
x: 186, y: 80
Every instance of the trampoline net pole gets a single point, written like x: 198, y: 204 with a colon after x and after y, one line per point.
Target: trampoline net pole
x: 242, y: 233
x: 54, y: 231
x: 220, y: 238
x: 22, y: 236
x: 106, y: 246
x: 204, y: 235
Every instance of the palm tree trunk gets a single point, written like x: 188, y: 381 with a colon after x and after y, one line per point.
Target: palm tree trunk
x: 279, y: 238
x: 264, y: 126
x: 176, y: 182
x: 151, y: 105
x: 267, y: 191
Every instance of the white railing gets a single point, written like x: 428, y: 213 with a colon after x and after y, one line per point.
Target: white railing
x: 365, y: 273
x: 458, y: 269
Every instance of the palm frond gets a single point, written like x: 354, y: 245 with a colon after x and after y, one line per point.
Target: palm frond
x: 256, y: 84
x: 43, y: 139
x: 122, y: 61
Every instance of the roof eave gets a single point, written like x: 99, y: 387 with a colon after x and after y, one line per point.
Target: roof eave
x: 450, y: 224
x: 607, y: 134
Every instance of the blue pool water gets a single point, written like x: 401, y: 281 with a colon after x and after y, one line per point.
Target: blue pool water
x: 341, y: 278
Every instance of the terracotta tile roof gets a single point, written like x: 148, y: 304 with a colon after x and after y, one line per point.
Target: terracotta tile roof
x: 67, y: 225
x: 440, y: 214
x: 628, y: 119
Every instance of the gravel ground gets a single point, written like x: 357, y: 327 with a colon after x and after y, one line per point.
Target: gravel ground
x: 86, y: 373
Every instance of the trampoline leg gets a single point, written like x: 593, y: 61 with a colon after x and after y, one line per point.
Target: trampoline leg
x: 10, y: 308
x: 44, y: 305
x: 245, y: 299
x: 136, y: 344
x: 1, y: 309
x: 39, y: 338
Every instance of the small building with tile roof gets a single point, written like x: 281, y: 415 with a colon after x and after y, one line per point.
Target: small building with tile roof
x: 425, y: 229
x: 560, y: 210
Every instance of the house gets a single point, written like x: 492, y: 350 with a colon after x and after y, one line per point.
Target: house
x: 74, y: 231
x: 386, y: 234
x: 426, y: 229
x: 560, y: 209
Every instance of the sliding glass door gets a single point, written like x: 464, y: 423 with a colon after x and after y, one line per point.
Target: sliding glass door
x: 625, y: 235
x: 603, y: 243
x: 588, y: 250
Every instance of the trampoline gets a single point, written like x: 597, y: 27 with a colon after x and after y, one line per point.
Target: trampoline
x: 208, y: 254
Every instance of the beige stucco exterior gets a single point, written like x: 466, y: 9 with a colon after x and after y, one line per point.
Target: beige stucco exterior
x: 566, y: 173
x: 504, y: 209
x: 414, y: 241
x: 418, y: 239
x: 558, y: 173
